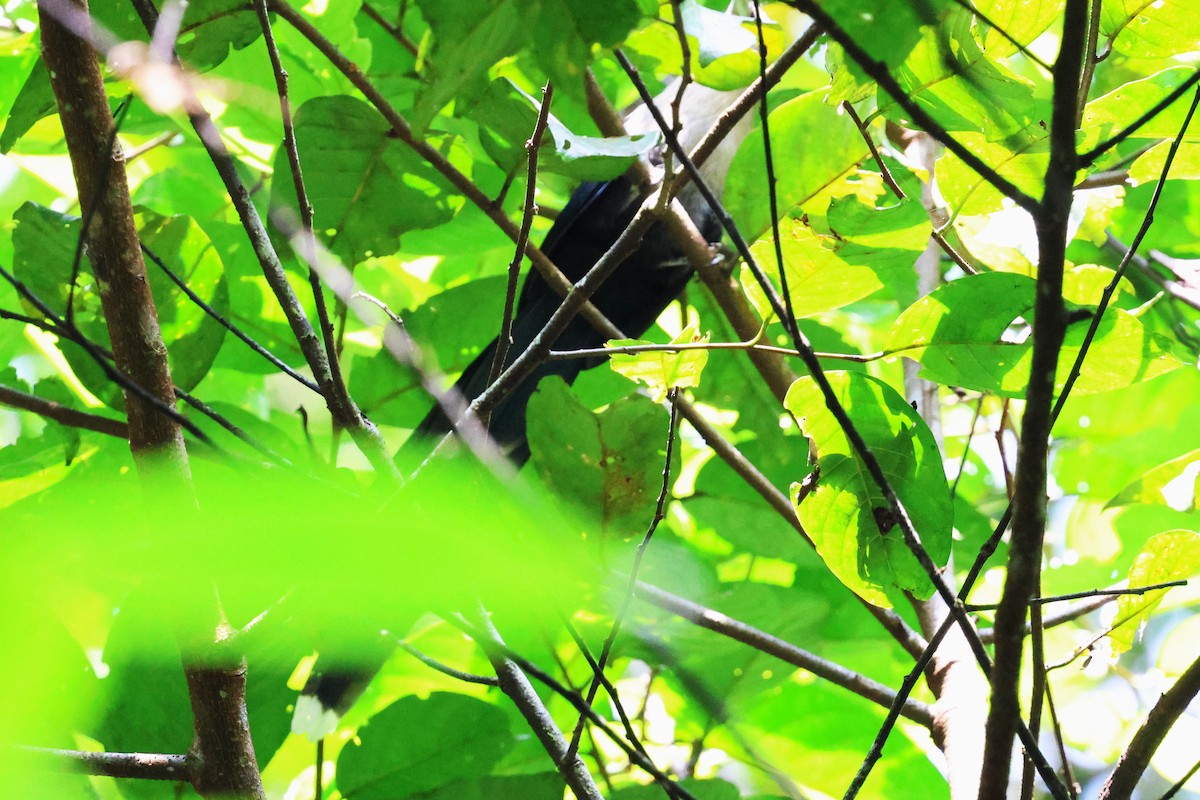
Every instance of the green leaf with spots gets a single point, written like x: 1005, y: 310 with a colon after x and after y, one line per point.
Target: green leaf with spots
x: 608, y: 464
x: 846, y: 515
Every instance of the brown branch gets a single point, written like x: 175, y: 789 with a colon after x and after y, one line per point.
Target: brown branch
x: 787, y: 652
x: 61, y: 414
x: 337, y: 381
x: 1049, y: 327
x: 222, y: 748
x: 341, y: 407
x: 504, y: 340
x: 140, y: 766
x: 129, y: 309
x: 514, y: 684
x: 1145, y: 742
x: 435, y: 158
x: 878, y: 71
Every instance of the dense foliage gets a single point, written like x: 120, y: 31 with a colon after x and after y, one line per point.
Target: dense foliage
x: 804, y: 507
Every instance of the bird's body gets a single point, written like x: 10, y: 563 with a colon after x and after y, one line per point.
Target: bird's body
x: 632, y: 298
x: 636, y: 293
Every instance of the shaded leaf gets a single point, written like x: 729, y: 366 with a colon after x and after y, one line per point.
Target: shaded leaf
x: 366, y: 187
x: 417, y: 745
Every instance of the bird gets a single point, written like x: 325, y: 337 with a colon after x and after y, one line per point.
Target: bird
x: 632, y: 298
x: 635, y: 294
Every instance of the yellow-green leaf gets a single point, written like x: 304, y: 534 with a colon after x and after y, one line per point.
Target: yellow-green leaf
x: 661, y: 370
x: 1169, y: 556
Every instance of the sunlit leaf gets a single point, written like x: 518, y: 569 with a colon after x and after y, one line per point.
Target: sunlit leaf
x: 823, y: 146
x: 1143, y: 29
x: 1169, y: 556
x: 1172, y: 484
x: 35, y: 101
x: 1021, y: 20
x: 662, y: 370
x: 974, y: 333
x: 846, y: 515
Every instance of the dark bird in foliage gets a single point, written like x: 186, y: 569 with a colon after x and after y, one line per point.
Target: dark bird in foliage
x: 632, y: 298
x: 636, y: 293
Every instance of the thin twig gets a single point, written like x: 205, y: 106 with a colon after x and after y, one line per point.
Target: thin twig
x: 1088, y: 158
x: 275, y: 361
x: 574, y: 698
x: 504, y: 340
x: 879, y: 72
x: 446, y: 669
x: 112, y: 372
x: 302, y: 202
x: 787, y: 652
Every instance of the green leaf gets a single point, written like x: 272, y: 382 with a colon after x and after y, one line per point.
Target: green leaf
x: 593, y: 158
x: 954, y: 79
x: 710, y: 789
x: 968, y: 192
x: 865, y: 20
x: 456, y: 324
x: 963, y: 334
x: 846, y: 515
x: 865, y: 249
x: 1149, y: 165
x: 1022, y: 20
x: 192, y: 336
x: 211, y: 28
x: 144, y: 700
x: 717, y: 34
x: 1169, y: 556
x: 417, y: 745
x: 1146, y: 29
x: 1113, y: 112
x: 544, y: 786
x: 35, y: 102
x: 824, y: 147
x: 1172, y: 484
x: 561, y: 35
x: 662, y: 370
x: 44, y: 244
x: 366, y: 187
x: 468, y: 38
x: 610, y: 464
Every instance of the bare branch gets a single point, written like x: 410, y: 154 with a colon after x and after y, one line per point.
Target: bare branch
x: 62, y: 414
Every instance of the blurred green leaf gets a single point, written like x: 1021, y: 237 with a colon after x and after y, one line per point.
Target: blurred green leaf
x: 34, y: 102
